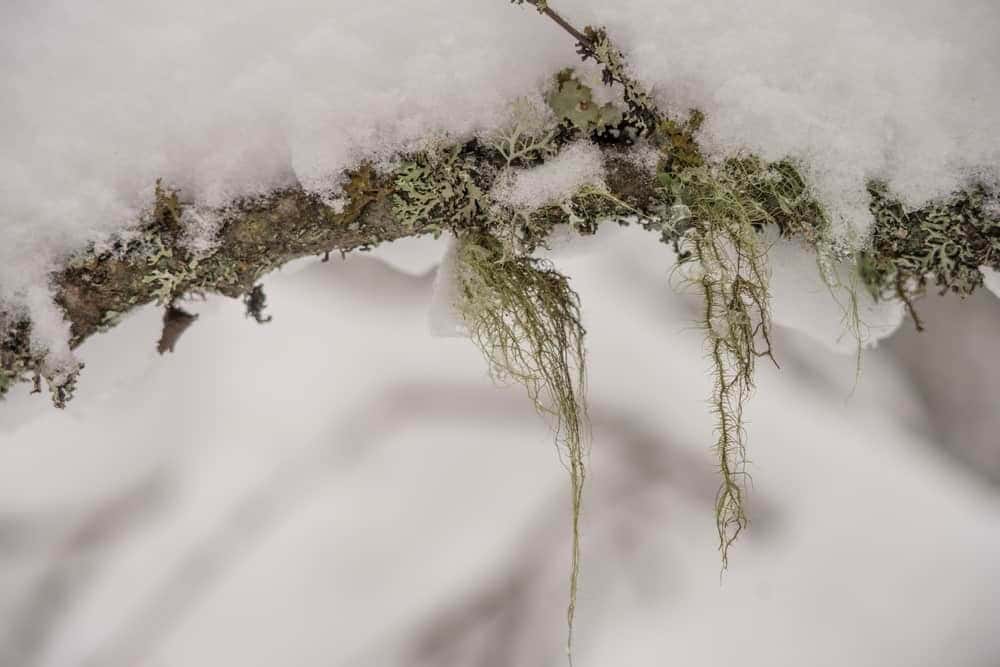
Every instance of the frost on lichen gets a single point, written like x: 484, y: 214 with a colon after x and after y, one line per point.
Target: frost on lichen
x: 525, y: 318
x: 641, y: 115
x: 528, y: 136
x: 943, y: 244
x: 21, y: 360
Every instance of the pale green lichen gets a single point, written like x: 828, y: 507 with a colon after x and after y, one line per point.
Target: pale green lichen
x: 573, y: 103
x: 525, y: 318
x: 528, y: 136
x: 169, y: 284
x: 436, y: 190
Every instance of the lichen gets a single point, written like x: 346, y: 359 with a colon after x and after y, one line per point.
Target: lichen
x: 573, y: 103
x: 22, y: 361
x: 525, y: 318
x: 722, y: 236
x: 641, y: 116
x: 436, y: 190
x: 678, y: 142
x: 528, y: 137
x: 943, y: 243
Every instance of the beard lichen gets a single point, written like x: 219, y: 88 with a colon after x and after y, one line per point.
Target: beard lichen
x: 723, y: 236
x: 525, y: 318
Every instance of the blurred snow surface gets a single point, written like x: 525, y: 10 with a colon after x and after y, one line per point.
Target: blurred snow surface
x: 338, y: 487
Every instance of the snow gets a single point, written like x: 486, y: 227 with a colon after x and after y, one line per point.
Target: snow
x: 201, y: 227
x: 900, y: 90
x: 555, y: 181
x: 801, y: 300
x: 443, y: 316
x: 991, y: 279
x: 101, y: 99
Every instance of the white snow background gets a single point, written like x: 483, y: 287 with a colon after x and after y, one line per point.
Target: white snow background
x: 340, y: 488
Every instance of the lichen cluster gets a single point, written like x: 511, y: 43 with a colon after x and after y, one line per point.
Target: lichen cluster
x: 641, y: 115
x: 437, y: 190
x: 525, y: 318
x: 942, y: 244
x: 722, y: 238
x: 529, y: 136
x: 573, y: 102
x: 21, y: 360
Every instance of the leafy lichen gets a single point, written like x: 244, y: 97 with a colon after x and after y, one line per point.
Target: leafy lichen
x: 573, y: 103
x: 943, y: 243
x: 436, y: 190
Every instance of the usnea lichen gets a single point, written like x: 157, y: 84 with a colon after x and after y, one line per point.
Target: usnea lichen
x: 525, y: 318
x: 731, y: 275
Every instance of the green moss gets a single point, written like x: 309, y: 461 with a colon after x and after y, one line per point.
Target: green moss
x: 525, y: 318
x: 678, y: 142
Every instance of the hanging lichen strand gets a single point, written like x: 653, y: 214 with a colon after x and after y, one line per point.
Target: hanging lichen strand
x: 713, y: 217
x: 732, y: 277
x: 525, y: 318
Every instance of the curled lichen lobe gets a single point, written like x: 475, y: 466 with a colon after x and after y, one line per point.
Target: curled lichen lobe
x: 942, y: 243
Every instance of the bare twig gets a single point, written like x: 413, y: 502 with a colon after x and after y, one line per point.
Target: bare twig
x: 543, y: 8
